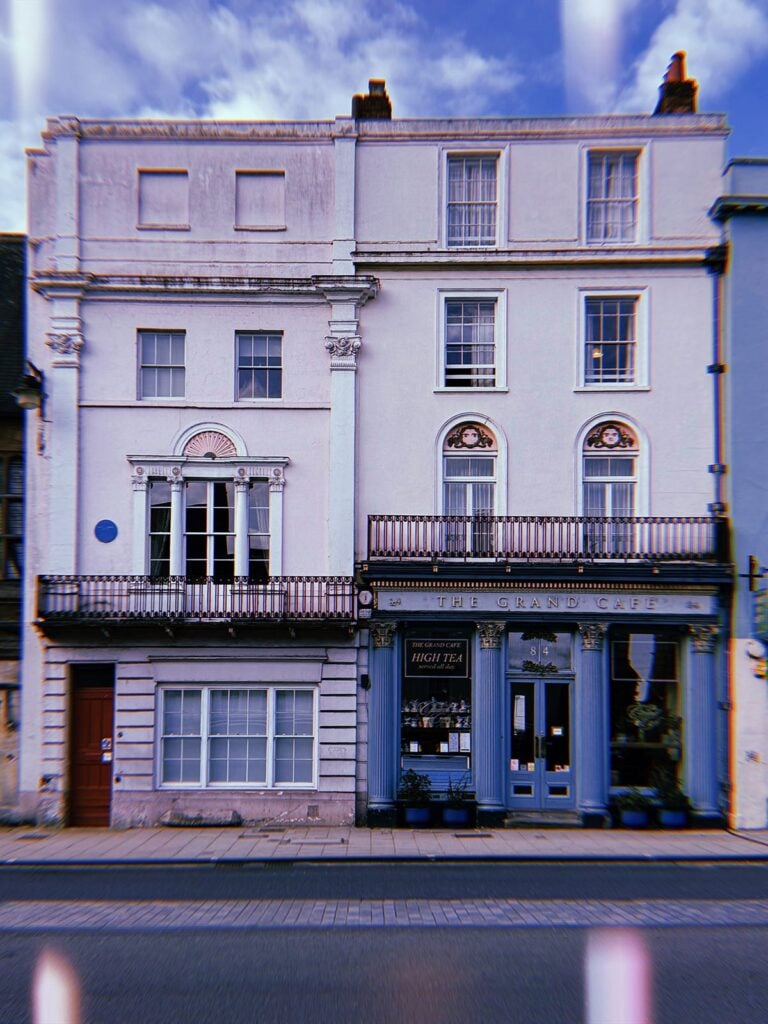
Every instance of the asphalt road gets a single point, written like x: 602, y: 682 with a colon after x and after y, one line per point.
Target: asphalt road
x: 473, y: 880
x: 436, y: 975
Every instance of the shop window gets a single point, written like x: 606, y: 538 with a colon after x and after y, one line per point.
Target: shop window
x: 436, y: 707
x: 645, y: 708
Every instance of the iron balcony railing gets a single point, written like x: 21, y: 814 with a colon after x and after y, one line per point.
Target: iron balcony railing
x: 563, y: 538
x: 142, y: 598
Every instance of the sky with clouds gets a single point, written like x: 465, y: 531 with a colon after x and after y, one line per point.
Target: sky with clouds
x: 252, y: 59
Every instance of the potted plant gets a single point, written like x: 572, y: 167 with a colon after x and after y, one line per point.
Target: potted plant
x: 414, y: 793
x: 634, y: 807
x: 674, y: 805
x: 457, y: 811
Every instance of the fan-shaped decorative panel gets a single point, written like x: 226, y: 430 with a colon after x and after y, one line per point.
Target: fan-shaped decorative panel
x: 210, y: 444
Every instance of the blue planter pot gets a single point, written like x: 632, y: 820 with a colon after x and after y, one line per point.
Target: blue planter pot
x: 457, y: 817
x: 416, y: 815
x: 634, y: 819
x: 672, y: 819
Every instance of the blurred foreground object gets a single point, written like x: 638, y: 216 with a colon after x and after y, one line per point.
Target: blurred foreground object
x: 618, y: 978
x: 55, y: 991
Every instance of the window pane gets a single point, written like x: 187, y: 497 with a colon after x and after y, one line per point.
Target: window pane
x: 471, y: 201
x: 259, y: 366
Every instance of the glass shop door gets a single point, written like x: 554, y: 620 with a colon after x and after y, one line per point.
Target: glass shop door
x: 540, y: 764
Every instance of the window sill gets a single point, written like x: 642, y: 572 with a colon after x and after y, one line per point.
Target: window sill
x: 260, y: 227
x: 161, y: 400
x: 612, y: 387
x: 448, y: 391
x: 252, y: 787
x: 163, y: 227
x: 612, y: 243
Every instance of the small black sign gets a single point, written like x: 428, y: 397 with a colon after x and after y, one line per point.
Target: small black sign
x: 444, y: 658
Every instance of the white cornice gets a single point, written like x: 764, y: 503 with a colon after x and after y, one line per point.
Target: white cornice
x: 323, y: 287
x: 576, y: 257
x: 606, y: 126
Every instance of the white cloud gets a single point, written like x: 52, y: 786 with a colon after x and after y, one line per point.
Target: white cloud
x: 246, y: 59
x: 722, y: 38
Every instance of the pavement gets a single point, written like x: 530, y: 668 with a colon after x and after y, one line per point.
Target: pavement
x: 30, y: 845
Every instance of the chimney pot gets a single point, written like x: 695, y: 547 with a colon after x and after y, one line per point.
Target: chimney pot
x: 373, y: 105
x: 677, y: 94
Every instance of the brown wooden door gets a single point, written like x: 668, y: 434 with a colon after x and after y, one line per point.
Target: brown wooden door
x: 91, y: 755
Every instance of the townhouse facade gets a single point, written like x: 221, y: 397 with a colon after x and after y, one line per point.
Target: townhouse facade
x: 741, y: 210
x: 373, y: 445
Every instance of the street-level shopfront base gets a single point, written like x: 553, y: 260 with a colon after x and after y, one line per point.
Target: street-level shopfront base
x: 546, y: 703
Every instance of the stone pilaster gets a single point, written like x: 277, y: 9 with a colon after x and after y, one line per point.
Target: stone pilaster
x: 487, y: 723
x: 276, y: 486
x: 383, y: 754
x: 700, y: 722
x: 591, y: 726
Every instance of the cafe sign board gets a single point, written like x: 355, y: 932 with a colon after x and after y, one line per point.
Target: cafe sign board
x: 443, y: 658
x: 546, y: 602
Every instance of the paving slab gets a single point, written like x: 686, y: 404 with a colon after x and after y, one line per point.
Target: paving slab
x: 166, y: 845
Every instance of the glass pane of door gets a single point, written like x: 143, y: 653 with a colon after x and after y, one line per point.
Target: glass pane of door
x: 557, y: 743
x: 523, y: 732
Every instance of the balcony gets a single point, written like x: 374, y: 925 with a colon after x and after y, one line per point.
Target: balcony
x: 137, y: 599
x: 551, y: 538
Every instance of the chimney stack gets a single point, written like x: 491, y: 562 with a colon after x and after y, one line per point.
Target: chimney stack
x: 373, y: 104
x: 677, y: 94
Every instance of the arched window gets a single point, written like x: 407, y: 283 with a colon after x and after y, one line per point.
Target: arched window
x: 609, y: 485
x: 469, y: 465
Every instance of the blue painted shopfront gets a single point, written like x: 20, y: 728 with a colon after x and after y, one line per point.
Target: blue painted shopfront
x: 544, y: 713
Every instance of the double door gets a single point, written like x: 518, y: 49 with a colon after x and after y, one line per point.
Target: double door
x: 541, y: 745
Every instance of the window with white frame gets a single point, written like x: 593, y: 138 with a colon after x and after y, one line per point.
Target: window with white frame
x: 472, y: 200
x: 469, y: 489
x: 470, y: 350
x: 612, y: 196
x: 610, y: 339
x: 161, y: 364
x: 208, y: 528
x: 259, y: 365
x: 259, y: 736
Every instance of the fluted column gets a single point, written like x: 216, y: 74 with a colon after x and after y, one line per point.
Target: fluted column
x: 242, y: 547
x: 176, y: 552
x: 382, y: 720
x: 487, y: 720
x: 591, y: 728
x: 701, y: 722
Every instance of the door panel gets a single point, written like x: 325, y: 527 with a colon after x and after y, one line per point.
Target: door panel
x: 91, y: 755
x: 540, y: 757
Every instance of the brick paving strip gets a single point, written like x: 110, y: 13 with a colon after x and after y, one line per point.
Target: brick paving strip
x: 141, y: 915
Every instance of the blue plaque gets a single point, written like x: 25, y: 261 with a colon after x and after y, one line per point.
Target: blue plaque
x: 105, y: 530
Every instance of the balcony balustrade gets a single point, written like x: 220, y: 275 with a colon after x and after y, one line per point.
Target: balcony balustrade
x: 558, y: 538
x: 141, y: 598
